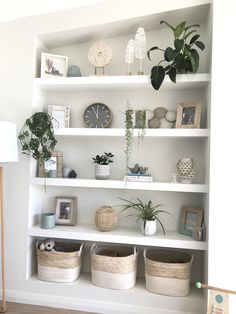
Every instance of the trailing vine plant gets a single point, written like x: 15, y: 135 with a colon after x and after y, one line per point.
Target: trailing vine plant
x: 129, y: 132
x: 37, y: 137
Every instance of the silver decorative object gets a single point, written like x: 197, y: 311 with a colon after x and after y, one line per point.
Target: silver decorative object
x: 185, y: 170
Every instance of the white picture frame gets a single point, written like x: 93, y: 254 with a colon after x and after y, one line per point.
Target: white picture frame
x: 53, y: 65
x: 61, y: 114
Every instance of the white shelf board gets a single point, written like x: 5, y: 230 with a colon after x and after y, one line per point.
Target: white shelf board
x: 124, y: 235
x: 83, y: 295
x: 184, y: 81
x: 119, y: 132
x: 120, y: 184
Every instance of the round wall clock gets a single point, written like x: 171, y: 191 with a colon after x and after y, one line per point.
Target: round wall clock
x: 99, y: 54
x: 97, y: 115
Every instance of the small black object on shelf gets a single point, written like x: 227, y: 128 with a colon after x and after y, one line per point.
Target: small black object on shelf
x: 72, y: 174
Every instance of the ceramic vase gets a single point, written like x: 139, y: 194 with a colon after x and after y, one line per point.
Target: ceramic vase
x: 102, y: 172
x: 185, y: 170
x: 149, y: 227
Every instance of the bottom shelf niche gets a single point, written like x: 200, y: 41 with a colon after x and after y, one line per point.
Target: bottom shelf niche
x: 83, y: 295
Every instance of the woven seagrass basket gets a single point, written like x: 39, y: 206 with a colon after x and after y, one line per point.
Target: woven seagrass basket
x: 106, y: 218
x: 60, y: 266
x: 114, y: 267
x: 167, y: 272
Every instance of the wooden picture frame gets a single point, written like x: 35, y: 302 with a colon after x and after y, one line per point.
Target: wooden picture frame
x: 55, y: 163
x: 188, y: 115
x: 190, y: 218
x: 65, y: 210
x: 53, y: 65
x: 61, y: 114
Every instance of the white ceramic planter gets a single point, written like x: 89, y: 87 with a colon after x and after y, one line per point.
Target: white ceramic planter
x: 102, y: 172
x: 150, y: 228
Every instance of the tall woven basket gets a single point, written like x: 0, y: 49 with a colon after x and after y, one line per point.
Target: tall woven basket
x: 167, y: 272
x: 114, y: 267
x: 57, y: 266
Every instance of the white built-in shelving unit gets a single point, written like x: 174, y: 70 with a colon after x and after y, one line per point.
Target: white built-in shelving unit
x: 159, y: 150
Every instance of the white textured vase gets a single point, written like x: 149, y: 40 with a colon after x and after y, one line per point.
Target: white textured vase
x: 149, y: 228
x: 185, y: 170
x: 102, y: 172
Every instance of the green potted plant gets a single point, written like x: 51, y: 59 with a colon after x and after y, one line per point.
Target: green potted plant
x: 182, y: 58
x: 37, y: 137
x: 146, y: 213
x: 102, y: 165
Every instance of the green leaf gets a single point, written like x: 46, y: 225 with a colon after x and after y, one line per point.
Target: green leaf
x: 200, y: 45
x: 172, y: 74
x: 194, y: 38
x: 168, y: 54
x: 194, y: 58
x: 170, y: 26
x: 190, y: 26
x: 153, y: 48
x: 187, y: 35
x: 179, y: 43
x: 157, y: 76
x: 179, y: 29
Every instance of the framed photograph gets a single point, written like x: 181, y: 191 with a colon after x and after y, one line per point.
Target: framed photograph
x: 61, y: 114
x: 53, y: 65
x: 66, y: 208
x: 188, y: 115
x: 190, y: 218
x: 52, y: 167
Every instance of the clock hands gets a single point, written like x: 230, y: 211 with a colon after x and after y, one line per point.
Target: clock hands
x: 96, y: 112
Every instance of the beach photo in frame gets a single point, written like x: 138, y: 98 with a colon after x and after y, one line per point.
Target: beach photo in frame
x: 188, y: 115
x: 61, y: 115
x: 190, y: 218
x: 53, y: 65
x: 65, y: 211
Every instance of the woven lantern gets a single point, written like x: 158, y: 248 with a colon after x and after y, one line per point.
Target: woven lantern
x: 106, y: 218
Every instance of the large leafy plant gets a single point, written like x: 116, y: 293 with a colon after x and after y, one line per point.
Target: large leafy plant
x: 37, y: 136
x: 144, y: 211
x: 182, y: 58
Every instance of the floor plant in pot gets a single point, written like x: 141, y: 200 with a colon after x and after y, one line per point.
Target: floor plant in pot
x: 37, y: 137
x: 146, y: 213
x: 183, y: 57
x: 102, y: 165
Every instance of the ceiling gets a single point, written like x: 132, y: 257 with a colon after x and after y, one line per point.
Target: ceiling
x: 15, y: 9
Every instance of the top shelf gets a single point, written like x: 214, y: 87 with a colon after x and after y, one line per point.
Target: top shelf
x: 184, y: 81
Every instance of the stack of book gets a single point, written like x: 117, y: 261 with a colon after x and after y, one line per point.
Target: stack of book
x: 137, y: 177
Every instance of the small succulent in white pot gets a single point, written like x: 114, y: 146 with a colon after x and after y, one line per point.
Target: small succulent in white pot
x: 102, y: 165
x: 146, y: 213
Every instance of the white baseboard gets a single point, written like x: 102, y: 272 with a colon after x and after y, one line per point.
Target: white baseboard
x: 78, y: 304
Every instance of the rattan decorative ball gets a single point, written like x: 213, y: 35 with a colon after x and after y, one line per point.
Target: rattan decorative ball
x: 106, y: 218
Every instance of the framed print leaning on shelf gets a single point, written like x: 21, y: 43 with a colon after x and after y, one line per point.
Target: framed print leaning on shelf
x: 188, y: 115
x: 66, y: 208
x: 190, y: 218
x: 61, y: 114
x: 52, y: 167
x: 53, y: 65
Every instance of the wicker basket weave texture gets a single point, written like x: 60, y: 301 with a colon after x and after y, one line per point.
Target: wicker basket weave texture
x: 126, y: 263
x: 169, y: 264
x: 59, y: 259
x: 106, y: 218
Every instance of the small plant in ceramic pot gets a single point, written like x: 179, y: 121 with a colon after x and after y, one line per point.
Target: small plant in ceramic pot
x: 102, y: 165
x: 146, y: 213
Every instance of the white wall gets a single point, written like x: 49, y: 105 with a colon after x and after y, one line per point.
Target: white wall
x: 17, y: 69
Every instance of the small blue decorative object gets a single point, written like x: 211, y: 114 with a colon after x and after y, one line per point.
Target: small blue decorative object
x: 219, y: 298
x: 73, y: 71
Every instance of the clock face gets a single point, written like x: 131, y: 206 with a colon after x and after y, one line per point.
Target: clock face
x: 97, y: 115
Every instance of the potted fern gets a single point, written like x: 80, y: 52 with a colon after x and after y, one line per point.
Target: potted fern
x: 102, y: 165
x: 182, y: 58
x: 146, y: 213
